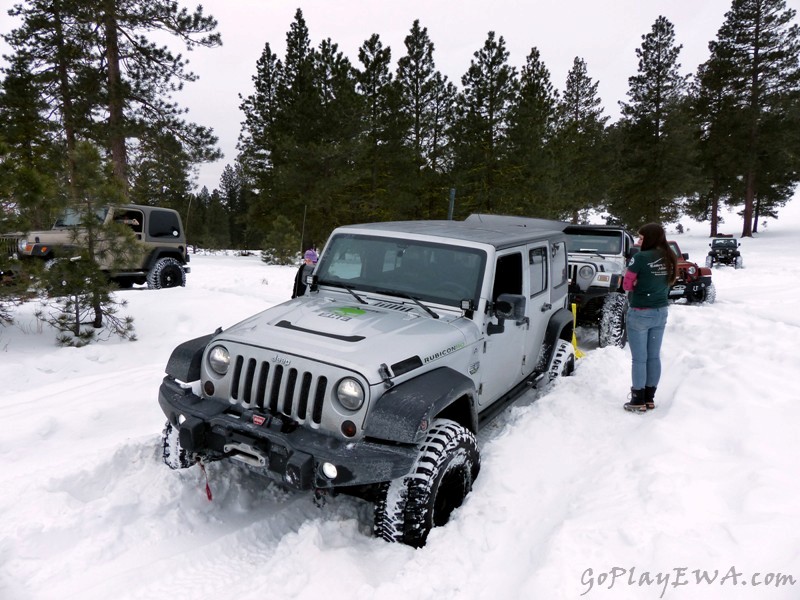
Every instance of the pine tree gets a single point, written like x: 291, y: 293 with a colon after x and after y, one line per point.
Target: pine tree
x: 758, y: 49
x: 713, y: 110
x: 532, y: 126
x: 261, y: 110
x: 106, y: 81
x: 578, y: 145
x: 79, y: 300
x: 425, y: 112
x: 375, y: 87
x: 55, y: 41
x: 481, y: 130
x: 32, y: 161
x: 140, y: 75
x: 656, y: 151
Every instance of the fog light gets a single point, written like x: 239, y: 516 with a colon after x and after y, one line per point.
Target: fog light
x: 208, y: 388
x: 349, y: 428
x: 329, y: 471
x: 181, y: 419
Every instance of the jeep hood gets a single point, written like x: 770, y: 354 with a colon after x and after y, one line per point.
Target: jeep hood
x: 356, y: 336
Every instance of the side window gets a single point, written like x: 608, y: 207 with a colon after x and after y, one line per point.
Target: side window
x: 508, y: 275
x: 163, y: 224
x: 132, y: 218
x: 559, y: 263
x: 537, y: 258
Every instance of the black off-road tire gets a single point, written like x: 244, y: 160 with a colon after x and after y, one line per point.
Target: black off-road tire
x: 447, y: 464
x: 168, y: 272
x: 173, y: 454
x: 613, y: 328
x: 563, y: 361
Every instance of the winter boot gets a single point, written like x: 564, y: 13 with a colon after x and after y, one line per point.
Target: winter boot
x: 649, y: 397
x: 637, y: 402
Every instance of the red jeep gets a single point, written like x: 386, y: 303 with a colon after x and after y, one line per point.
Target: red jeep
x: 694, y: 282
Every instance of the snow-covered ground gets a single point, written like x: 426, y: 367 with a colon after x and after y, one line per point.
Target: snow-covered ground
x: 576, y: 497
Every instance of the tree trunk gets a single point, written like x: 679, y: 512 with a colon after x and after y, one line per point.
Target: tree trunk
x: 67, y: 110
x: 756, y: 214
x: 714, y: 215
x: 749, y: 197
x: 116, y: 117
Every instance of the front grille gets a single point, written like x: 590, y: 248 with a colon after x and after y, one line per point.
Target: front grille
x: 273, y: 387
x: 574, y: 277
x: 8, y: 246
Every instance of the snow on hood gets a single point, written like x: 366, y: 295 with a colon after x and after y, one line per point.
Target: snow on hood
x: 356, y: 336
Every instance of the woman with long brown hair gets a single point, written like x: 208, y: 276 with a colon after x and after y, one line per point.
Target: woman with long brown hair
x: 650, y: 274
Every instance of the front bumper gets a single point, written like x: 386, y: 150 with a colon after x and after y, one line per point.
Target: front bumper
x: 286, y: 451
x: 689, y: 289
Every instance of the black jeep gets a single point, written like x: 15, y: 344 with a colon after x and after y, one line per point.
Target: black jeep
x: 724, y: 251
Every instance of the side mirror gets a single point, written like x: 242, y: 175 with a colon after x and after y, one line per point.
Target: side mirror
x: 510, y: 306
x: 685, y: 256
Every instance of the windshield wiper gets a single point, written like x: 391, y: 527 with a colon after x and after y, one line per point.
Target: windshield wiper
x: 408, y: 297
x: 352, y: 293
x: 342, y: 285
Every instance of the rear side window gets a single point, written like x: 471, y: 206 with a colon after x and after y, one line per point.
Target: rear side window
x: 163, y: 224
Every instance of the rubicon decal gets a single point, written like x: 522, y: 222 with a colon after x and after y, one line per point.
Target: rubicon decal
x: 442, y: 353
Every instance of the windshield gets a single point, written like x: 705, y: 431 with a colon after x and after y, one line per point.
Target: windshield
x: 72, y: 218
x: 595, y: 242
x: 724, y: 243
x: 430, y: 272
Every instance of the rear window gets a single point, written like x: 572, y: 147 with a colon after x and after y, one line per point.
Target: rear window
x: 164, y: 224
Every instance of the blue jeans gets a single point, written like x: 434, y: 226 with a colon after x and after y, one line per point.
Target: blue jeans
x: 645, y: 332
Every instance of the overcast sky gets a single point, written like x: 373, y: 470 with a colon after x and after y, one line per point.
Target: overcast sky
x: 605, y: 34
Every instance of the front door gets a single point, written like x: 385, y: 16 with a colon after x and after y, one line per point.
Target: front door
x: 503, y: 358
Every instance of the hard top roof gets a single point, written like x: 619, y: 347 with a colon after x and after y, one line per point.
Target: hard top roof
x: 493, y: 230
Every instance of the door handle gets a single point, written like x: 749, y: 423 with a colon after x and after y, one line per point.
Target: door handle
x: 546, y: 306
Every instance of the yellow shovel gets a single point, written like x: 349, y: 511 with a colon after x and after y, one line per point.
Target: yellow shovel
x: 578, y: 353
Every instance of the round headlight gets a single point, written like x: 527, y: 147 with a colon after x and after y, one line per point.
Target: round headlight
x: 219, y: 359
x: 350, y: 393
x: 586, y: 272
x: 691, y: 270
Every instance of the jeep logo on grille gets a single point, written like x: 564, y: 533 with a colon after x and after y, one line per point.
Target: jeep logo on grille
x: 280, y: 359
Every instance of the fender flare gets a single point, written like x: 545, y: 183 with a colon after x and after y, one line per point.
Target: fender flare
x: 405, y: 412
x: 184, y: 362
x: 158, y: 253
x: 560, y: 326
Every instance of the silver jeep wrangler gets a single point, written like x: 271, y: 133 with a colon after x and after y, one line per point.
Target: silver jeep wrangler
x: 409, y: 338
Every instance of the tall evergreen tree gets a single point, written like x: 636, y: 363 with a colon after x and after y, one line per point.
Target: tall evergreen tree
x: 713, y: 109
x: 32, y: 161
x: 655, y: 149
x: 140, y: 75
x: 489, y: 90
x: 578, y: 145
x: 758, y: 48
x: 107, y: 81
x: 261, y: 109
x: 55, y: 39
x: 426, y: 105
x: 532, y: 125
x: 375, y: 87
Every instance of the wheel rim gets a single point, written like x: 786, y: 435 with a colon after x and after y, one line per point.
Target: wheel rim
x: 450, y: 494
x: 170, y: 276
